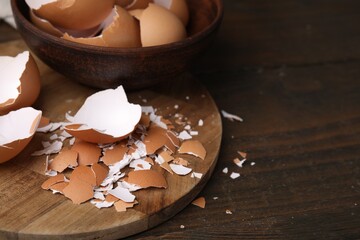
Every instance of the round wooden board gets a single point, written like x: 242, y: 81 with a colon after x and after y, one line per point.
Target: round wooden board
x: 28, y: 212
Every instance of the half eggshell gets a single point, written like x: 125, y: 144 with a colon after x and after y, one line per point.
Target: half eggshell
x: 16, y: 131
x: 19, y: 82
x: 72, y: 14
x: 160, y: 26
x: 123, y: 31
x: 105, y: 117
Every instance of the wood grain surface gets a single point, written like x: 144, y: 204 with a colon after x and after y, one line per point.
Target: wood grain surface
x: 291, y: 69
x: 28, y: 212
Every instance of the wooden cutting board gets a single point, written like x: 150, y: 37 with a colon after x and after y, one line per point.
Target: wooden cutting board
x: 28, y: 212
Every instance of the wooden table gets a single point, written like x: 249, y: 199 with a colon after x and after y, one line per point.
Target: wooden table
x: 291, y: 69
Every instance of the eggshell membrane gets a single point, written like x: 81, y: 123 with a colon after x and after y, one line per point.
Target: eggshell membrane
x: 16, y: 131
x: 138, y: 4
x: 178, y: 7
x: 160, y: 26
x: 124, y: 31
x: 76, y: 14
x: 107, y: 113
x: 24, y: 89
x: 100, y: 171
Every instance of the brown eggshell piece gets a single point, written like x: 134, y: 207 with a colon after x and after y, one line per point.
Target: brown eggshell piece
x: 166, y: 156
x: 121, y: 206
x: 178, y: 7
x: 160, y: 26
x: 181, y: 161
x: 88, y: 153
x: 200, y: 202
x: 59, y: 187
x: 193, y: 147
x: 124, y: 31
x: 64, y: 159
x: 78, y: 191
x: 166, y: 166
x: 111, y: 198
x: 76, y: 14
x: 145, y: 120
x: 44, y: 25
x: 100, y: 171
x: 84, y: 174
x: 147, y: 178
x: 155, y: 139
x: 29, y: 88
x: 115, y: 154
x: 53, y: 180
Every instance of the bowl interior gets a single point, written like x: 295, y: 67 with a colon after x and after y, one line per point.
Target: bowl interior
x: 203, y: 14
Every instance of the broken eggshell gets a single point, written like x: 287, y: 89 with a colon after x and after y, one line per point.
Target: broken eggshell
x: 178, y: 7
x: 72, y: 14
x: 105, y: 117
x: 123, y: 31
x: 46, y: 26
x: 19, y: 82
x: 16, y: 131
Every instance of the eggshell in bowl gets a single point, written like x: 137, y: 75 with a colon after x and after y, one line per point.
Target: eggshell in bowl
x: 16, y: 131
x: 122, y: 32
x: 160, y: 26
x: 178, y: 7
x: 75, y: 14
x: 19, y: 82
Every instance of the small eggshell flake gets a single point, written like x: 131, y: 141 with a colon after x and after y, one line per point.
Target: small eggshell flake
x: 200, y: 202
x: 16, y: 131
x: 107, y: 112
x: 121, y: 206
x: 20, y: 82
x: 180, y: 169
x: 160, y: 26
x: 147, y: 178
x: 74, y: 14
x: 193, y: 147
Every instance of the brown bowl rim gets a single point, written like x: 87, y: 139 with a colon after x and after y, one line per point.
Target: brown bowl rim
x: 113, y: 50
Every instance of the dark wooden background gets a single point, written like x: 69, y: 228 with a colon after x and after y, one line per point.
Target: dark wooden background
x: 291, y: 69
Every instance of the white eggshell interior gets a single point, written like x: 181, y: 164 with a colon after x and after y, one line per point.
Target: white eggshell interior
x: 18, y: 125
x: 109, y: 112
x: 36, y: 4
x: 11, y: 69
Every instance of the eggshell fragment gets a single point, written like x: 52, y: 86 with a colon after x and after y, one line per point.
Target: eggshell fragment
x: 115, y: 154
x: 106, y: 113
x: 73, y: 14
x: 59, y: 187
x: 88, y: 153
x: 193, y: 147
x: 121, y: 206
x: 155, y: 139
x: 84, y: 174
x: 178, y: 7
x: 63, y: 160
x: 180, y: 169
x: 100, y: 171
x: 122, y: 193
x: 160, y: 26
x: 16, y: 131
x: 124, y: 32
x: 200, y: 202
x: 53, y: 180
x: 147, y: 178
x: 19, y: 82
x: 78, y: 191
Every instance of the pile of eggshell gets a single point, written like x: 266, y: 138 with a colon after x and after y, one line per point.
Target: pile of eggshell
x: 19, y: 88
x: 112, y: 23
